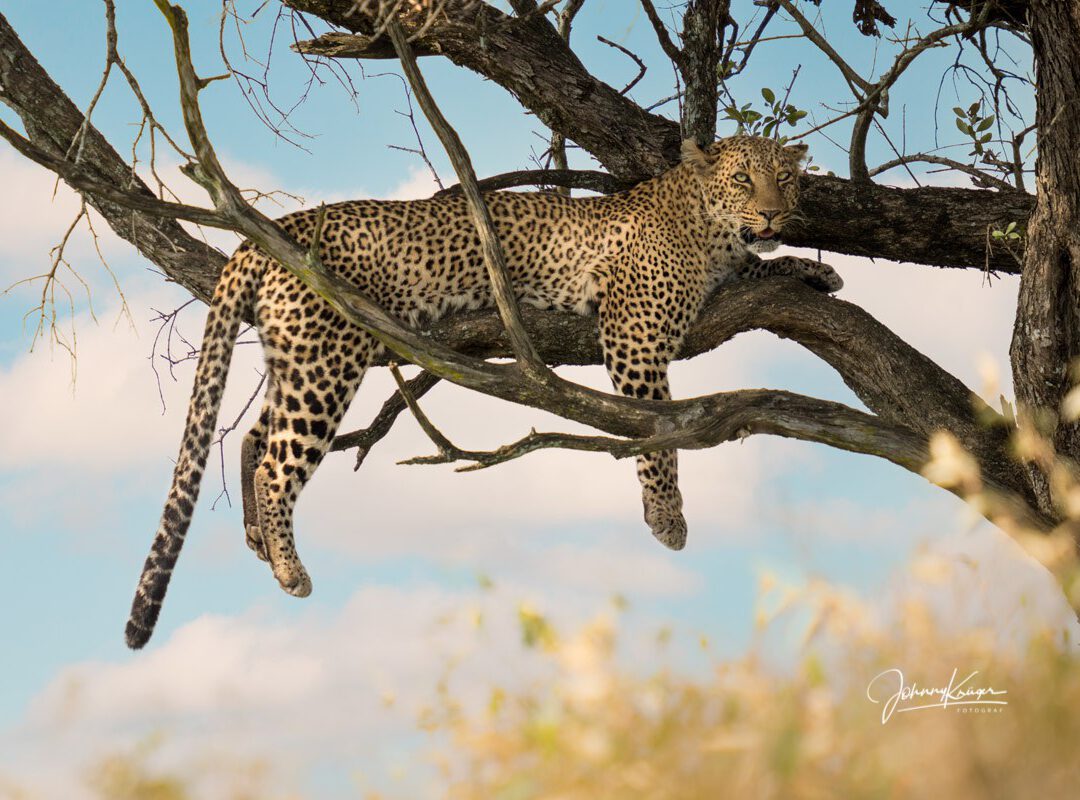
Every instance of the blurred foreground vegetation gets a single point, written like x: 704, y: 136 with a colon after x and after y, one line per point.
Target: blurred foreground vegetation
x: 598, y: 725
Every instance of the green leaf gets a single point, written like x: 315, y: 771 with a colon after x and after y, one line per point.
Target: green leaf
x: 958, y: 111
x: 768, y: 95
x: 963, y: 126
x: 986, y: 138
x: 1010, y: 227
x: 986, y: 123
x: 973, y: 109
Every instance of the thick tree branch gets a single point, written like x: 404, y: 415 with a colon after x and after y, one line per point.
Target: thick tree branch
x: 527, y: 56
x: 1046, y: 336
x: 890, y: 377
x: 592, y: 180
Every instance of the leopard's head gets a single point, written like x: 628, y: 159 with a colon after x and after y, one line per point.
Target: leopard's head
x: 749, y: 183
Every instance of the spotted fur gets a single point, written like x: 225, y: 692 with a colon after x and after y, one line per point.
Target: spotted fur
x: 644, y: 260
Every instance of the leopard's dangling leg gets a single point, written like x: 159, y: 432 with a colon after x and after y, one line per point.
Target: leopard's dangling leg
x: 640, y: 336
x: 327, y: 360
x: 252, y: 451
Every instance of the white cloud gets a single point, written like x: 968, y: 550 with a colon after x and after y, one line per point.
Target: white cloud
x: 346, y: 688
x: 112, y: 417
x: 418, y: 184
x: 35, y: 211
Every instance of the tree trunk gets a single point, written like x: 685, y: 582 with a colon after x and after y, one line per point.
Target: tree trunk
x: 1046, y: 336
x: 703, y: 29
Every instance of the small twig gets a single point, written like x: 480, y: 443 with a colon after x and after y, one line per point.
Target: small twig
x: 168, y: 323
x: 636, y: 59
x: 859, y: 85
x: 220, y: 442
x: 419, y: 150
x: 755, y: 39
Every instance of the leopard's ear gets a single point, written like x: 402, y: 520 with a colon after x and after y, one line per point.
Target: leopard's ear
x: 694, y: 155
x: 796, y: 152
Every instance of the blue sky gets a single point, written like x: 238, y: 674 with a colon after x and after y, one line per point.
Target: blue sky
x: 84, y: 468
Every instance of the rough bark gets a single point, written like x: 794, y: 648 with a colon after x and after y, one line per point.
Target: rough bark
x: 703, y: 34
x: 1046, y: 336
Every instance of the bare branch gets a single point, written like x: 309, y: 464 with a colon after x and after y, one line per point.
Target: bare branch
x: 858, y: 85
x: 79, y: 178
x: 633, y: 56
x: 662, y: 35
x: 52, y: 121
x: 983, y: 179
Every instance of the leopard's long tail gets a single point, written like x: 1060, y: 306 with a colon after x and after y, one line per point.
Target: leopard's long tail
x: 233, y: 294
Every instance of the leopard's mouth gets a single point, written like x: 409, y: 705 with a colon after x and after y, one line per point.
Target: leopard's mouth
x: 750, y: 236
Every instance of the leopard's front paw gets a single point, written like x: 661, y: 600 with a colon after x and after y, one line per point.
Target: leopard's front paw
x: 668, y: 526
x: 292, y: 577
x: 821, y: 276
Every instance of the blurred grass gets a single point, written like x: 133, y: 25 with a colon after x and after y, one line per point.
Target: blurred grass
x: 598, y: 730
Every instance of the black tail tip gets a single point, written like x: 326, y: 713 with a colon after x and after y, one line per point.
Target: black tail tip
x: 136, y: 635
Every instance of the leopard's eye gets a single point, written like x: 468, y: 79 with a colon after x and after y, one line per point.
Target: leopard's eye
x: 783, y: 176
x: 741, y: 177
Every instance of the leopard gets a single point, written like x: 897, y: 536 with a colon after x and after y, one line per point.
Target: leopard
x: 643, y: 261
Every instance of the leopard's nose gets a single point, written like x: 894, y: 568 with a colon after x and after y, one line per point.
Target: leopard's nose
x: 770, y: 214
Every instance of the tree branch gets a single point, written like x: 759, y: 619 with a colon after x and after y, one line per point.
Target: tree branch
x: 593, y: 180
x: 985, y: 179
x: 662, y: 35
